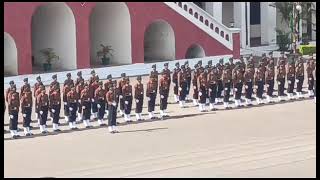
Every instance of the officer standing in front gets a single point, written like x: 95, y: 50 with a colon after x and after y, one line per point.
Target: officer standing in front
x: 112, y: 105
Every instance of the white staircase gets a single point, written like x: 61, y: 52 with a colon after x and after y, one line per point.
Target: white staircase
x: 205, y: 21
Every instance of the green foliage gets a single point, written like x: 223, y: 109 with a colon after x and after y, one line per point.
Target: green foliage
x: 104, y: 51
x: 49, y: 55
x: 283, y: 40
x: 307, y: 49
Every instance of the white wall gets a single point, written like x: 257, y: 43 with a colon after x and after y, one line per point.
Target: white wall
x: 53, y: 26
x: 268, y: 23
x: 159, y: 42
x: 10, y: 56
x: 195, y: 51
x: 240, y: 21
x: 110, y: 25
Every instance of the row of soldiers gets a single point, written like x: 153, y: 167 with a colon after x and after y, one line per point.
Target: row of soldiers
x: 94, y: 99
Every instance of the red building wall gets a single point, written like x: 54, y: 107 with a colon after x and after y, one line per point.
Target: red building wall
x: 18, y: 16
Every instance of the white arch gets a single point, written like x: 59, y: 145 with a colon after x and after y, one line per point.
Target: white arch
x: 159, y: 42
x: 53, y: 26
x: 195, y: 51
x: 10, y: 56
x: 110, y: 25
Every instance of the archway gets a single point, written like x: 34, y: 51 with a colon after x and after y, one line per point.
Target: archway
x: 10, y: 56
x: 110, y: 25
x: 53, y: 26
x: 195, y: 51
x: 159, y: 42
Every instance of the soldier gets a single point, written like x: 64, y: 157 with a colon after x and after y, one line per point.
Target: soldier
x: 92, y: 78
x: 26, y: 109
x: 226, y: 78
x: 310, y: 68
x: 250, y: 61
x: 206, y: 71
x: 167, y: 71
x: 68, y: 81
x: 26, y: 84
x: 264, y: 62
x: 164, y: 87
x: 242, y: 64
x: 66, y: 90
x: 195, y: 86
x: 269, y: 79
x: 182, y: 84
x: 35, y: 88
x: 258, y: 79
x: 175, y: 82
x: 106, y: 88
x: 94, y: 85
x: 72, y: 103
x: 112, y: 105
x: 121, y: 83
x: 209, y: 66
x: 299, y: 77
x: 79, y: 78
x: 202, y: 81
x: 248, y: 80
x: 281, y: 75
x: 54, y: 84
x: 127, y: 97
x: 99, y: 98
x: 13, y: 109
x: 212, y: 86
x: 85, y: 101
x: 271, y: 58
x: 9, y: 90
x: 154, y: 73
x: 237, y: 84
x: 55, y: 106
x: 220, y: 68
x: 79, y: 88
x: 43, y: 107
x: 282, y: 57
x: 138, y: 96
x: 188, y: 71
x: 151, y: 96
x: 231, y: 64
x: 291, y: 79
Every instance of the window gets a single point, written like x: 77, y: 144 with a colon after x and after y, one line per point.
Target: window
x: 255, y: 13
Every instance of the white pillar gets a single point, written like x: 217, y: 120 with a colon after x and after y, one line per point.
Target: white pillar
x: 217, y: 11
x: 240, y: 21
x: 268, y: 23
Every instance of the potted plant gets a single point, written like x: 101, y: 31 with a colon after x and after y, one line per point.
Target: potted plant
x: 49, y: 55
x: 105, y: 53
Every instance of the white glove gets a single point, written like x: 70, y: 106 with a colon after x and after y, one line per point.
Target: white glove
x: 126, y: 102
x: 70, y: 108
x: 65, y: 103
x: 11, y: 116
x: 310, y: 79
x: 194, y: 87
x: 162, y: 96
x: 297, y: 80
x: 235, y: 89
x: 92, y: 100
x: 79, y: 101
x: 148, y: 98
x: 174, y: 84
x: 24, y: 115
x: 210, y: 89
x: 267, y: 85
x: 200, y: 93
x: 255, y: 86
x: 137, y: 100
x: 98, y: 106
x: 83, y: 107
x: 53, y: 111
x: 180, y: 88
x: 41, y: 112
x: 289, y: 82
x: 228, y: 80
x: 114, y: 103
x: 120, y: 96
x: 254, y: 90
x: 141, y: 92
x: 246, y: 86
x: 279, y: 83
x: 225, y: 88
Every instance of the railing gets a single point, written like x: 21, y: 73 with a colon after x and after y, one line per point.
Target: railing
x: 205, y: 21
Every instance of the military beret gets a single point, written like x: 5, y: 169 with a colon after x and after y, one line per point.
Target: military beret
x: 230, y: 58
x: 38, y: 78
x: 11, y: 82
x: 177, y: 64
x: 221, y: 60
x: 185, y: 63
x: 153, y: 66
x: 93, y: 72
x: 210, y: 62
x: 263, y: 54
x: 54, y: 76
x: 206, y: 67
x: 97, y: 77
x: 182, y: 66
x: 271, y: 52
x: 166, y: 64
x: 139, y: 78
x: 195, y: 66
x: 79, y: 73
x: 109, y: 76
x: 14, y: 86
x: 200, y: 62
x: 123, y: 74
x: 68, y: 74
x: 100, y: 83
x: 25, y: 80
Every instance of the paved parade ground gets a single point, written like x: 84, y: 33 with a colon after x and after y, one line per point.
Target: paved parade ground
x: 273, y: 140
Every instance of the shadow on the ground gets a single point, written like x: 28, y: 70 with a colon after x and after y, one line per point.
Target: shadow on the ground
x: 146, y: 130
